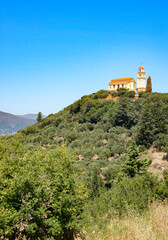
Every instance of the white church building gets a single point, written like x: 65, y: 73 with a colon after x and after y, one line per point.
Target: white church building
x: 129, y: 83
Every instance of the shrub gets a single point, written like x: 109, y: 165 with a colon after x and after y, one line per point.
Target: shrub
x: 43, y: 196
x: 57, y: 121
x: 81, y: 127
x: 101, y: 94
x: 111, y: 172
x: 105, y: 153
x: 114, y: 94
x: 90, y: 126
x: 29, y: 130
x: 130, y: 94
x: 71, y: 136
x: 161, y: 142
x: 121, y: 92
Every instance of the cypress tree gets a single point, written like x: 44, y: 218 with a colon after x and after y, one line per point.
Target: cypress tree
x: 39, y: 117
x: 149, y: 85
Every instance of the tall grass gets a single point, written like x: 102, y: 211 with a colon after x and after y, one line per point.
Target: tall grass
x: 152, y: 225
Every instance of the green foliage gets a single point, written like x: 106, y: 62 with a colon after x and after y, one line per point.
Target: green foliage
x: 162, y: 188
x: 130, y: 94
x: 161, y: 142
x: 111, y: 173
x: 130, y: 194
x: 41, y: 194
x: 96, y: 182
x: 153, y: 121
x: 101, y: 94
x: 135, y: 165
x: 30, y: 130
x: 42, y: 190
x: 39, y: 117
x: 121, y: 92
x: 120, y: 114
x: 114, y: 94
x: 133, y: 193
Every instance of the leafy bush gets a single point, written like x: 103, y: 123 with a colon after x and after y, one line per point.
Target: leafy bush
x: 29, y: 130
x: 41, y: 195
x: 114, y: 94
x: 90, y: 126
x: 161, y: 142
x: 101, y: 94
x: 154, y: 119
x: 130, y: 94
x: 121, y: 92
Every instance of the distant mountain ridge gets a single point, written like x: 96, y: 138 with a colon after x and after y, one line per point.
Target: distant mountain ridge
x: 30, y: 116
x: 10, y: 124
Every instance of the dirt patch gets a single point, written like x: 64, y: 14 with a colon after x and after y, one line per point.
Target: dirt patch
x: 158, y: 164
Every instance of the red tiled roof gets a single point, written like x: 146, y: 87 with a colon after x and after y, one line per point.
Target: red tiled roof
x: 121, y: 80
x: 141, y: 67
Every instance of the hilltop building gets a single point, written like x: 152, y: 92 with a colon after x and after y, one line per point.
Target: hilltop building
x: 141, y: 81
x: 129, y: 83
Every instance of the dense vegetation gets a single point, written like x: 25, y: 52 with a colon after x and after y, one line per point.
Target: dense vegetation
x: 70, y: 169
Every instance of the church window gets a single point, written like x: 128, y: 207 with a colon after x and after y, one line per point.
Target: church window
x: 114, y: 86
x: 122, y: 85
x: 118, y: 86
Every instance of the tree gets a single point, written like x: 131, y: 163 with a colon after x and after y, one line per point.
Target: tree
x: 42, y: 195
x: 96, y: 182
x: 135, y: 165
x: 120, y: 117
x: 121, y: 92
x: 39, y: 117
x: 153, y: 121
x: 149, y: 85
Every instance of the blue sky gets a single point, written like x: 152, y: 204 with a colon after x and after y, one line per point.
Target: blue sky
x: 53, y: 52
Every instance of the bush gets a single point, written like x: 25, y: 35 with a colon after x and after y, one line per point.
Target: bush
x: 90, y: 126
x: 57, y: 121
x: 105, y: 153
x: 81, y: 127
x: 111, y: 172
x: 114, y: 94
x: 161, y: 142
x: 130, y: 94
x: 101, y: 94
x: 121, y: 92
x: 29, y: 130
x: 42, y: 197
x: 71, y: 136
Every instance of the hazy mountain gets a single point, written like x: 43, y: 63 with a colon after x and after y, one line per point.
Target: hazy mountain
x: 30, y: 116
x: 10, y: 124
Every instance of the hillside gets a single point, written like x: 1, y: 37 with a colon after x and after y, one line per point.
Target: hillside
x: 99, y: 131
x: 91, y: 170
x: 10, y: 124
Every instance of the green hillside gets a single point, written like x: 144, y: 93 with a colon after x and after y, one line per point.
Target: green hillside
x: 10, y: 124
x: 100, y: 130
x: 77, y: 172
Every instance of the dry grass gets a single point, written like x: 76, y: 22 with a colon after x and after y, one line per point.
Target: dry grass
x: 152, y: 226
x: 158, y: 164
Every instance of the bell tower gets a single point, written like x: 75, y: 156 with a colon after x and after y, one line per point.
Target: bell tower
x: 141, y: 83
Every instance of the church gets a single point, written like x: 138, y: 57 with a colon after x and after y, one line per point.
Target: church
x: 129, y: 83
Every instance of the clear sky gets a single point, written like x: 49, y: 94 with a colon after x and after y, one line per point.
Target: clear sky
x: 53, y: 52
